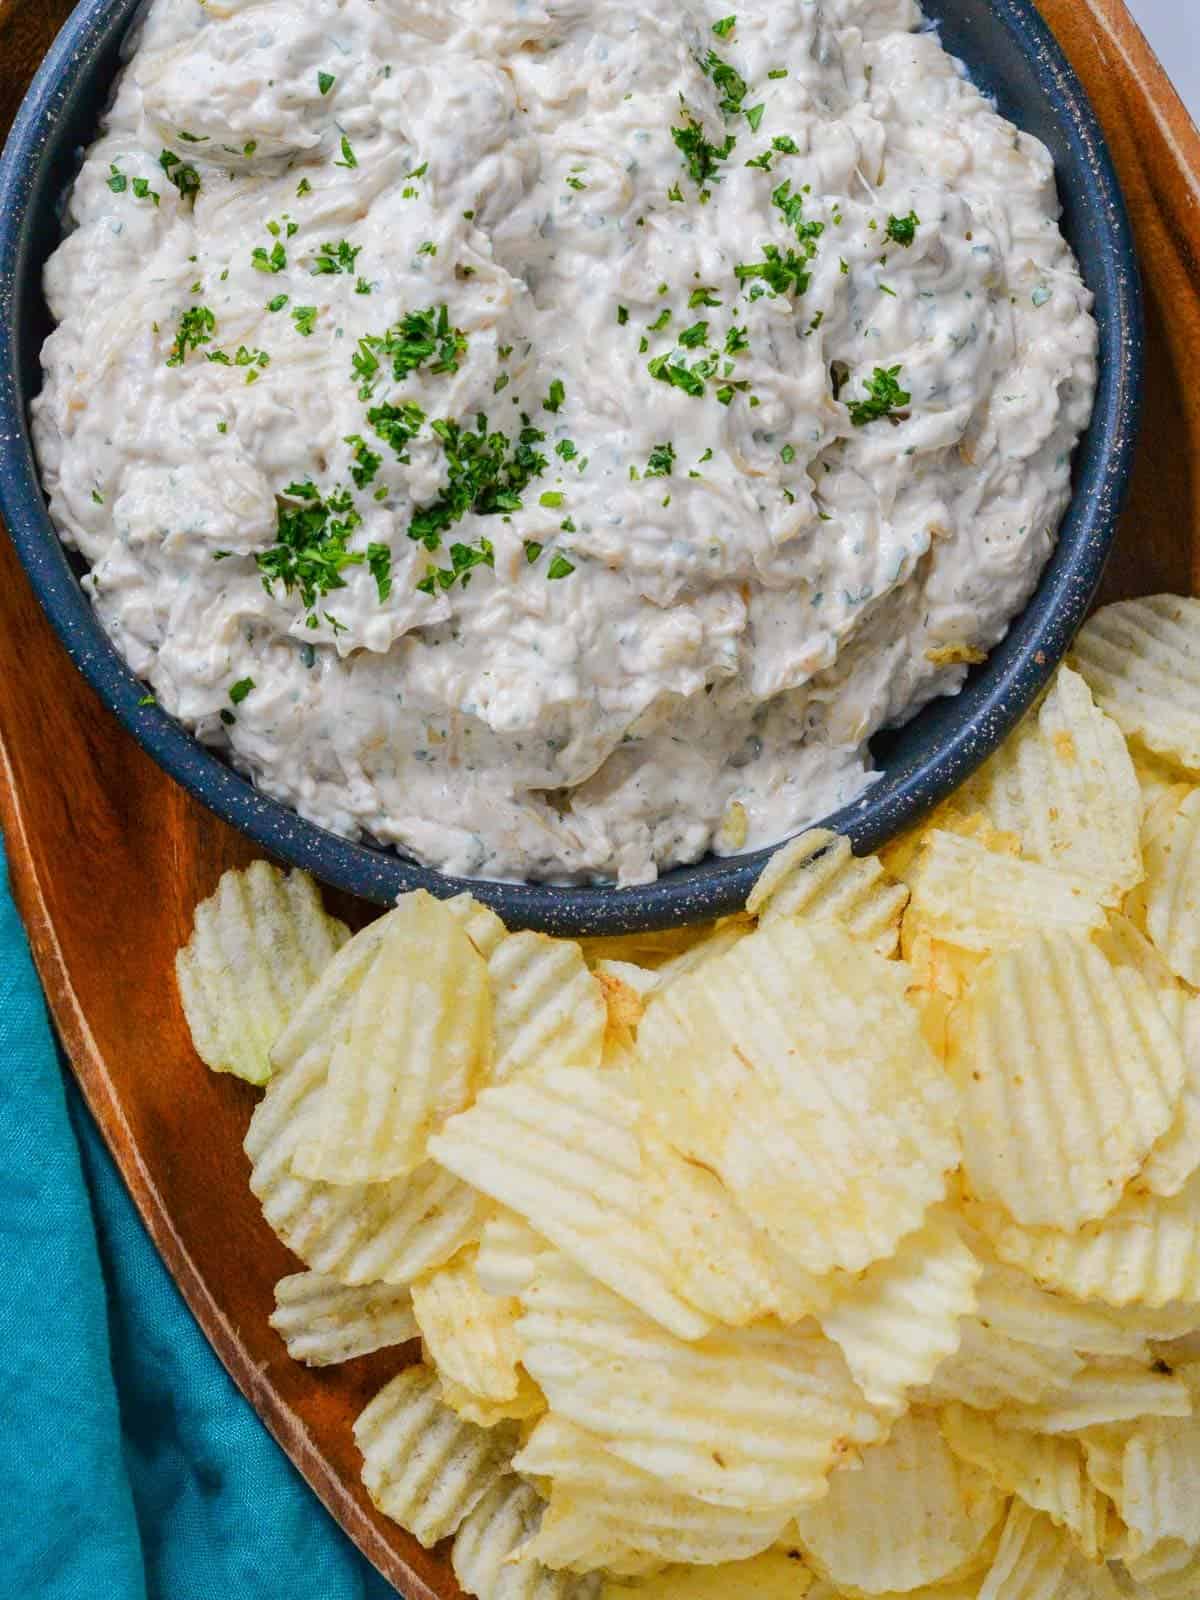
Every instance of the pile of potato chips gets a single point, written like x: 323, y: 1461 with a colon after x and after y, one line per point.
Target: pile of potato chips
x: 850, y: 1247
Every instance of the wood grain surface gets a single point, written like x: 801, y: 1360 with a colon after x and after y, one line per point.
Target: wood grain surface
x: 108, y: 857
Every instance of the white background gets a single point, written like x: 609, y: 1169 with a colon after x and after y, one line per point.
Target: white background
x: 1173, y: 28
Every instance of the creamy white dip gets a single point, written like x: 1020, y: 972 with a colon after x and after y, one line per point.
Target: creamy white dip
x: 780, y: 300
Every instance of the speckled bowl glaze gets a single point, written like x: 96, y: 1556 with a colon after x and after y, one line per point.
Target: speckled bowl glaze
x: 1011, y: 55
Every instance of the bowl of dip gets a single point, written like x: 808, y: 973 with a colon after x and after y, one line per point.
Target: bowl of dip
x: 819, y: 418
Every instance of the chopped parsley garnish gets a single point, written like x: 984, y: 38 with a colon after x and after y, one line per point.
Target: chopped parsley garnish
x: 362, y: 287
x: 142, y: 189
x: 674, y: 192
x: 566, y: 450
x: 785, y: 144
x: 397, y: 425
x: 486, y: 472
x: 763, y: 161
x: 349, y: 159
x: 502, y: 382
x: 700, y: 156
x: 275, y: 261
x: 117, y: 182
x: 782, y: 273
x: 660, y: 321
x: 696, y: 335
x: 310, y: 552
x: 560, y: 567
x: 427, y: 249
x: 792, y: 207
x: 885, y: 398
x: 778, y: 72
x: 622, y: 315
x: 278, y: 303
x: 555, y: 397
x: 703, y: 296
x: 551, y: 499
x: 575, y: 183
x: 240, y: 690
x: 419, y: 337
x: 903, y: 230
x: 532, y: 550
x: 193, y: 138
x: 182, y: 174
x: 248, y: 149
x: 366, y: 463
x: 690, y: 380
x: 728, y: 80
x: 304, y: 317
x: 227, y: 717
x: 464, y: 558
x: 754, y: 116
x: 418, y: 172
x: 97, y: 497
x: 788, y: 454
x: 660, y: 463
x: 147, y: 700
x: 379, y: 564
x: 196, y: 327
x: 243, y: 358
x: 325, y: 81
x: 303, y: 187
x: 724, y: 27
x: 737, y: 340
x: 334, y: 258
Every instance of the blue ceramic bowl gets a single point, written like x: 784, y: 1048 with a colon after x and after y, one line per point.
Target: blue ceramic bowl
x: 1011, y: 55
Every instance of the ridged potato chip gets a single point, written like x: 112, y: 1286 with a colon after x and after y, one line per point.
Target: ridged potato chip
x: 914, y: 1513
x: 1175, y: 1159
x: 1146, y: 1251
x: 967, y: 895
x: 1178, y: 1580
x: 479, y: 922
x: 646, y: 949
x: 561, y: 1149
x: 470, y: 1336
x: 1065, y: 785
x: 1124, y: 944
x: 547, y: 1008
x: 1104, y: 1454
x: 795, y: 1068
x: 605, y: 1512
x: 486, y: 1557
x: 990, y: 1369
x: 1141, y: 659
x: 324, y: 1013
x: 322, y: 1322
x: 258, y: 944
x: 1049, y: 1474
x: 1039, y: 1561
x: 818, y: 878
x: 748, y: 1418
x: 1171, y: 893
x: 901, y: 855
x: 728, y: 932
x: 423, y: 1466
x: 900, y: 1319
x: 718, y: 1261
x: 528, y: 1402
x: 1160, y: 1482
x: 417, y: 1047
x: 356, y: 1233
x: 1102, y: 1395
x: 507, y: 1256
x: 773, y: 1575
x: 1069, y: 1073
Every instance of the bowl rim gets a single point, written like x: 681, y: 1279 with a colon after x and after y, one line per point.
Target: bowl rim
x: 1037, y: 639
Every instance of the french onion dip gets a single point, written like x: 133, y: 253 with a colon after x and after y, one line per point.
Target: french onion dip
x: 553, y: 436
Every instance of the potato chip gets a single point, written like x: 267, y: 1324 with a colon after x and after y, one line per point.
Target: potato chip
x: 990, y: 1369
x: 624, y: 988
x: 1065, y: 785
x: 718, y: 1261
x: 749, y: 1418
x: 423, y: 1466
x: 897, y: 1322
x: 324, y: 1013
x: 1146, y: 1251
x: 1176, y: 1578
x: 965, y: 1588
x: 728, y: 932
x: 479, y: 922
x: 1039, y: 1561
x: 773, y: 1575
x: 356, y: 1233
x: 417, y: 1047
x: 1069, y: 1073
x: 817, y: 877
x: 604, y: 1512
x: 486, y: 1557
x: 1172, y: 898
x: 1102, y: 1395
x: 913, y: 1513
x: 322, y: 1322
x: 794, y: 1067
x: 562, y: 1150
x: 1160, y: 1482
x: 547, y: 1008
x: 1176, y: 1157
x: 258, y: 944
x: 507, y: 1256
x: 1104, y: 1456
x: 528, y: 1402
x: 1154, y: 775
x: 646, y: 949
x: 1142, y: 662
x: 1123, y: 943
x: 1049, y: 1474
x: 966, y: 895
x: 470, y: 1335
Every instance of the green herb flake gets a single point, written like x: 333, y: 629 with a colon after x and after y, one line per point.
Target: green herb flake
x: 303, y: 188
x: 660, y: 463
x: 754, y: 116
x: 325, y: 81
x: 729, y: 81
x: 240, y: 690
x: 903, y: 230
x: 305, y: 318
x: 365, y: 462
x: 777, y: 72
x: 310, y: 554
x: 622, y: 315
x: 785, y: 144
x: 143, y: 191
x: 147, y: 700
x: 97, y: 497
x: 700, y: 156
x: 117, y: 182
x: 551, y: 499
x: 566, y: 450
x: 274, y: 261
x: 555, y: 397
x: 560, y: 567
x: 575, y: 183
x: 419, y: 337
x: 660, y: 321
x: 694, y: 336
x: 885, y: 398
x: 196, y: 327
x: 532, y: 550
x: 349, y: 159
x: 675, y: 192
x: 787, y: 455
x: 278, y: 303
x: 335, y: 258
x: 379, y: 565
x: 724, y: 27
x: 397, y: 425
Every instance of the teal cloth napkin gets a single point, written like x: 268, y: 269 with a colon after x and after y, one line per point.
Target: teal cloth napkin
x: 130, y: 1466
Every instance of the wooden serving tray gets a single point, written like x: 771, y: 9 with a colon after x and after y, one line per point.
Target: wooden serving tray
x: 109, y: 857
